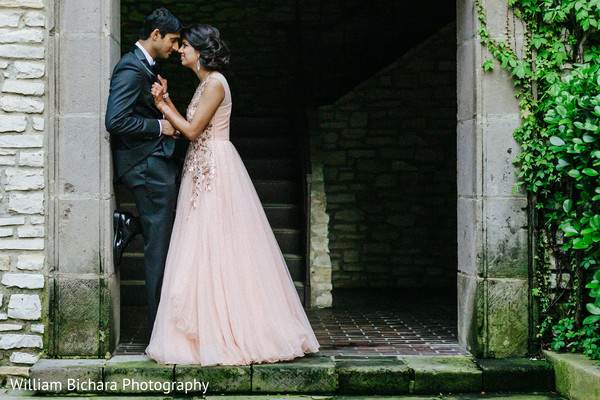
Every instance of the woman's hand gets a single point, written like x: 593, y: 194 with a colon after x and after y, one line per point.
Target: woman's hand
x: 157, y: 93
x: 163, y: 83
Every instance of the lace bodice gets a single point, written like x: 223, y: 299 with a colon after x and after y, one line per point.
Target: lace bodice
x: 200, y: 161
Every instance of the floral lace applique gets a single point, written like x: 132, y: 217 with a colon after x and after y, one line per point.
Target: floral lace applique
x: 200, y: 161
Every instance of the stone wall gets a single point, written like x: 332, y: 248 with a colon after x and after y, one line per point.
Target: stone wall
x: 389, y: 154
x: 23, y: 155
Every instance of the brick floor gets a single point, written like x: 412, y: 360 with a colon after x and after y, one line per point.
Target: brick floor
x: 361, y: 323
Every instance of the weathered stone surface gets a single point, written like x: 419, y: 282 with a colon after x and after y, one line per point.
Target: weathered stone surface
x: 24, y: 281
x: 61, y: 371
x: 23, y: 358
x: 6, y: 232
x: 23, y: 87
x: 12, y: 221
x: 28, y: 69
x: 37, y: 328
x: 21, y: 244
x: 21, y: 51
x: 516, y: 375
x: 10, y: 18
x: 31, y: 232
x: 27, y: 203
x: 32, y: 262
x: 577, y: 377
x: 78, y: 236
x: 303, y: 375
x: 16, y: 341
x: 31, y: 159
x: 23, y: 3
x: 35, y: 18
x: 126, y: 373
x: 444, y: 374
x: 10, y: 327
x: 38, y: 123
x: 79, y: 142
x: 21, y: 141
x: 12, y: 103
x: 12, y: 123
x: 378, y: 375
x: 222, y: 379
x: 4, y: 263
x: 21, y: 36
x: 77, y: 322
x: 507, y: 318
x: 25, y: 306
x: 24, y: 179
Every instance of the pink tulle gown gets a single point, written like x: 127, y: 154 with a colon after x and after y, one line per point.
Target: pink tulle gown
x: 227, y: 296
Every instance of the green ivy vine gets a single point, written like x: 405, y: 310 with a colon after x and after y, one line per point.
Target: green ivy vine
x: 557, y: 75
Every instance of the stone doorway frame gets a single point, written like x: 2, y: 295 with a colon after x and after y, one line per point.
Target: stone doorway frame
x: 493, y: 261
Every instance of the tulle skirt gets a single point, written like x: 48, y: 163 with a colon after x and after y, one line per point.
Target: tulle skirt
x: 227, y: 296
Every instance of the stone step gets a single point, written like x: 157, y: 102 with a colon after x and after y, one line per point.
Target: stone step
x: 312, y: 374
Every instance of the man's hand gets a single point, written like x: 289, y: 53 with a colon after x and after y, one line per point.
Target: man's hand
x: 167, y: 128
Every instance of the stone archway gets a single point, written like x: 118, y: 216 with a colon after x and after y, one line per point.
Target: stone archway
x: 493, y: 270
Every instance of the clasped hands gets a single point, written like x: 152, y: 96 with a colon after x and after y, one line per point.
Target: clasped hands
x: 158, y: 91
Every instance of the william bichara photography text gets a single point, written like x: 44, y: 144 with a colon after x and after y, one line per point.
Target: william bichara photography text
x: 126, y: 385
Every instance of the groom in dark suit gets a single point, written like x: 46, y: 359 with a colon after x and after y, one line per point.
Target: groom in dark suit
x: 143, y: 142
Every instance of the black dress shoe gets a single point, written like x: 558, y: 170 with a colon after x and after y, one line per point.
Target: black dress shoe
x: 126, y: 226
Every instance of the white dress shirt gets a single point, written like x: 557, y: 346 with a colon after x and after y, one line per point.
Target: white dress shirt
x: 151, y: 62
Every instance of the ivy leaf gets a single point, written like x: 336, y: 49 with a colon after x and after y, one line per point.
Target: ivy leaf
x: 589, y: 138
x: 574, y: 173
x: 488, y: 65
x: 590, y: 172
x: 579, y: 244
x: 562, y: 111
x: 596, y: 153
x: 556, y: 141
x: 595, y: 222
x: 592, y: 319
x: 567, y: 204
x: 570, y: 231
x: 593, y: 309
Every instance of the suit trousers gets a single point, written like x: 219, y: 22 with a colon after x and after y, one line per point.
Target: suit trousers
x: 154, y: 188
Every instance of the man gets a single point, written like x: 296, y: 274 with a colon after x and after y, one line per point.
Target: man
x: 142, y: 143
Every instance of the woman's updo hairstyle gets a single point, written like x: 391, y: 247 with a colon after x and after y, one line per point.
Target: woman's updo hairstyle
x: 214, y: 54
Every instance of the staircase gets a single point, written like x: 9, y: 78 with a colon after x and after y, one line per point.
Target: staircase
x: 272, y: 152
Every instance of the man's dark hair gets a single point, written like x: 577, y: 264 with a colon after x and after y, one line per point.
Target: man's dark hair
x: 163, y: 20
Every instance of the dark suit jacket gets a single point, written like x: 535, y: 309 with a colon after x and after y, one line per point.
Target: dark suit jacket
x: 131, y: 116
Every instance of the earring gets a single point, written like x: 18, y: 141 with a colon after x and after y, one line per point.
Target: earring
x: 198, y: 65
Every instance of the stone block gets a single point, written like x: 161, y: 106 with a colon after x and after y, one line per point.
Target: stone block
x: 309, y: 374
x: 498, y: 93
x: 21, y: 244
x: 78, y: 145
x: 7, y: 221
x: 467, y: 76
x: 25, y: 306
x: 80, y: 82
x: 35, y: 18
x: 31, y: 232
x: 30, y: 262
x: 65, y: 373
x: 31, y: 159
x: 24, y: 179
x: 6, y: 232
x: 23, y: 358
x: 221, y: 379
x: 471, y: 313
x: 516, y: 375
x: 500, y: 150
x: 440, y: 374
x: 23, y: 281
x: 577, y: 377
x: 17, y: 341
x: 23, y: 87
x: 132, y: 375
x: 27, y: 203
x: 77, y: 316
x: 21, y: 36
x: 507, y: 310
x: 506, y: 238
x: 10, y: 18
x: 10, y: 327
x: 38, y: 123
x: 13, y: 103
x: 470, y: 236
x: 29, y: 70
x: 78, y: 236
x: 468, y: 156
x: 21, y: 51
x: 81, y: 16
x: 37, y: 328
x: 21, y: 141
x: 23, y: 3
x: 466, y: 20
x: 375, y: 375
x: 12, y: 123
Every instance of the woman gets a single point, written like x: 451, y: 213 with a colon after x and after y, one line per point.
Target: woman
x: 227, y: 296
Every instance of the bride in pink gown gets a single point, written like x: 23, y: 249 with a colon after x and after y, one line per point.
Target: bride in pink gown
x: 227, y: 296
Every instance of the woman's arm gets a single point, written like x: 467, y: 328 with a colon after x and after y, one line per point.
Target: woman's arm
x: 211, y: 98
